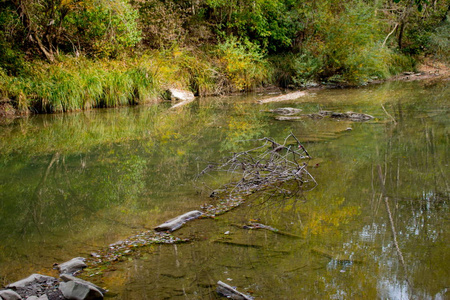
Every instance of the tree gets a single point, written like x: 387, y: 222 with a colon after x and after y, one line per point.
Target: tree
x: 94, y: 25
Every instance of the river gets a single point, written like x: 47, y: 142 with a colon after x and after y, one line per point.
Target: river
x: 376, y: 225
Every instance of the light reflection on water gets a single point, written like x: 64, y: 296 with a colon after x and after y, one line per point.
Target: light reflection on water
x: 72, y: 184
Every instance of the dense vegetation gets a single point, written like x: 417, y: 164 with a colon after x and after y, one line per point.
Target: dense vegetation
x: 61, y: 55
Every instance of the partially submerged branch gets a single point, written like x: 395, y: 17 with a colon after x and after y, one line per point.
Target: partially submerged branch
x: 271, y: 167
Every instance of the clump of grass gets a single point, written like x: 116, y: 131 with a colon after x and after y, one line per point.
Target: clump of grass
x: 75, y: 84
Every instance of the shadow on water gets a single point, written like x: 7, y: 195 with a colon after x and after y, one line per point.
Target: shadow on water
x: 376, y: 226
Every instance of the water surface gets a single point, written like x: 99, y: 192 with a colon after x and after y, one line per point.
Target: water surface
x: 71, y: 184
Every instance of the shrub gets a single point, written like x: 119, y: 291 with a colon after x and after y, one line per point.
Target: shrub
x: 243, y: 62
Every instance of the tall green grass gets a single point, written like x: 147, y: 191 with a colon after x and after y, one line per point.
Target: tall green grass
x: 75, y: 84
x: 81, y: 83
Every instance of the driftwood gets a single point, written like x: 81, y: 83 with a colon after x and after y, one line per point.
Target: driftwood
x: 230, y: 292
x: 286, y: 97
x: 176, y: 223
x: 273, y: 168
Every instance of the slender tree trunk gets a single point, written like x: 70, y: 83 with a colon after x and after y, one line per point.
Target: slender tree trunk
x: 403, y: 22
x: 33, y: 34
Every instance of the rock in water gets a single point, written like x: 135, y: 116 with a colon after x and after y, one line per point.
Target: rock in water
x: 72, y: 266
x: 179, y: 221
x: 9, y: 295
x: 74, y: 290
x: 30, y: 280
x: 180, y: 95
x: 67, y: 278
x: 358, y: 116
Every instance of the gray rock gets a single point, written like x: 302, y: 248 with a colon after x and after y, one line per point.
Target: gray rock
x: 358, y: 116
x: 72, y: 266
x: 9, y: 295
x: 67, y: 278
x: 30, y: 280
x: 74, y: 290
x: 42, y: 297
x: 353, y: 116
x: 179, y: 95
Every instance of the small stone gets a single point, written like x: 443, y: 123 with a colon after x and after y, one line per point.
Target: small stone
x: 72, y: 266
x: 9, y: 295
x: 349, y: 129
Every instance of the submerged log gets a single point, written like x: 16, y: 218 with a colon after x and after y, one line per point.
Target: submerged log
x: 230, y: 292
x: 253, y: 225
x: 286, y: 97
x: 179, y: 221
x: 337, y: 257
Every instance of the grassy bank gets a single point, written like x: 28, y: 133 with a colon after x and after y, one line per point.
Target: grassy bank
x: 81, y: 83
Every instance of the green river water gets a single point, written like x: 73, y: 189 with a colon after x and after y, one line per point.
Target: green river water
x: 71, y: 184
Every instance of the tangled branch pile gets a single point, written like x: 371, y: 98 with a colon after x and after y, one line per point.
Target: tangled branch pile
x: 272, y: 167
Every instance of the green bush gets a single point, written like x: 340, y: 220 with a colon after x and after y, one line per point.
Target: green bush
x: 439, y: 45
x: 243, y: 63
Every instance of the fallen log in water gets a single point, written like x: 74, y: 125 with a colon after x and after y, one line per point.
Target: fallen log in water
x: 230, y: 292
x: 176, y: 223
x: 290, y: 96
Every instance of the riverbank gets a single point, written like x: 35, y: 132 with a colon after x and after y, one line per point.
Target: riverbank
x: 81, y: 84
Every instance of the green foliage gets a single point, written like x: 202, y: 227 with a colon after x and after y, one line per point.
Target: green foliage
x: 162, y: 23
x: 271, y: 24
x: 104, y: 28
x: 11, y: 59
x: 243, y: 62
x: 210, y: 47
x: 439, y: 43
